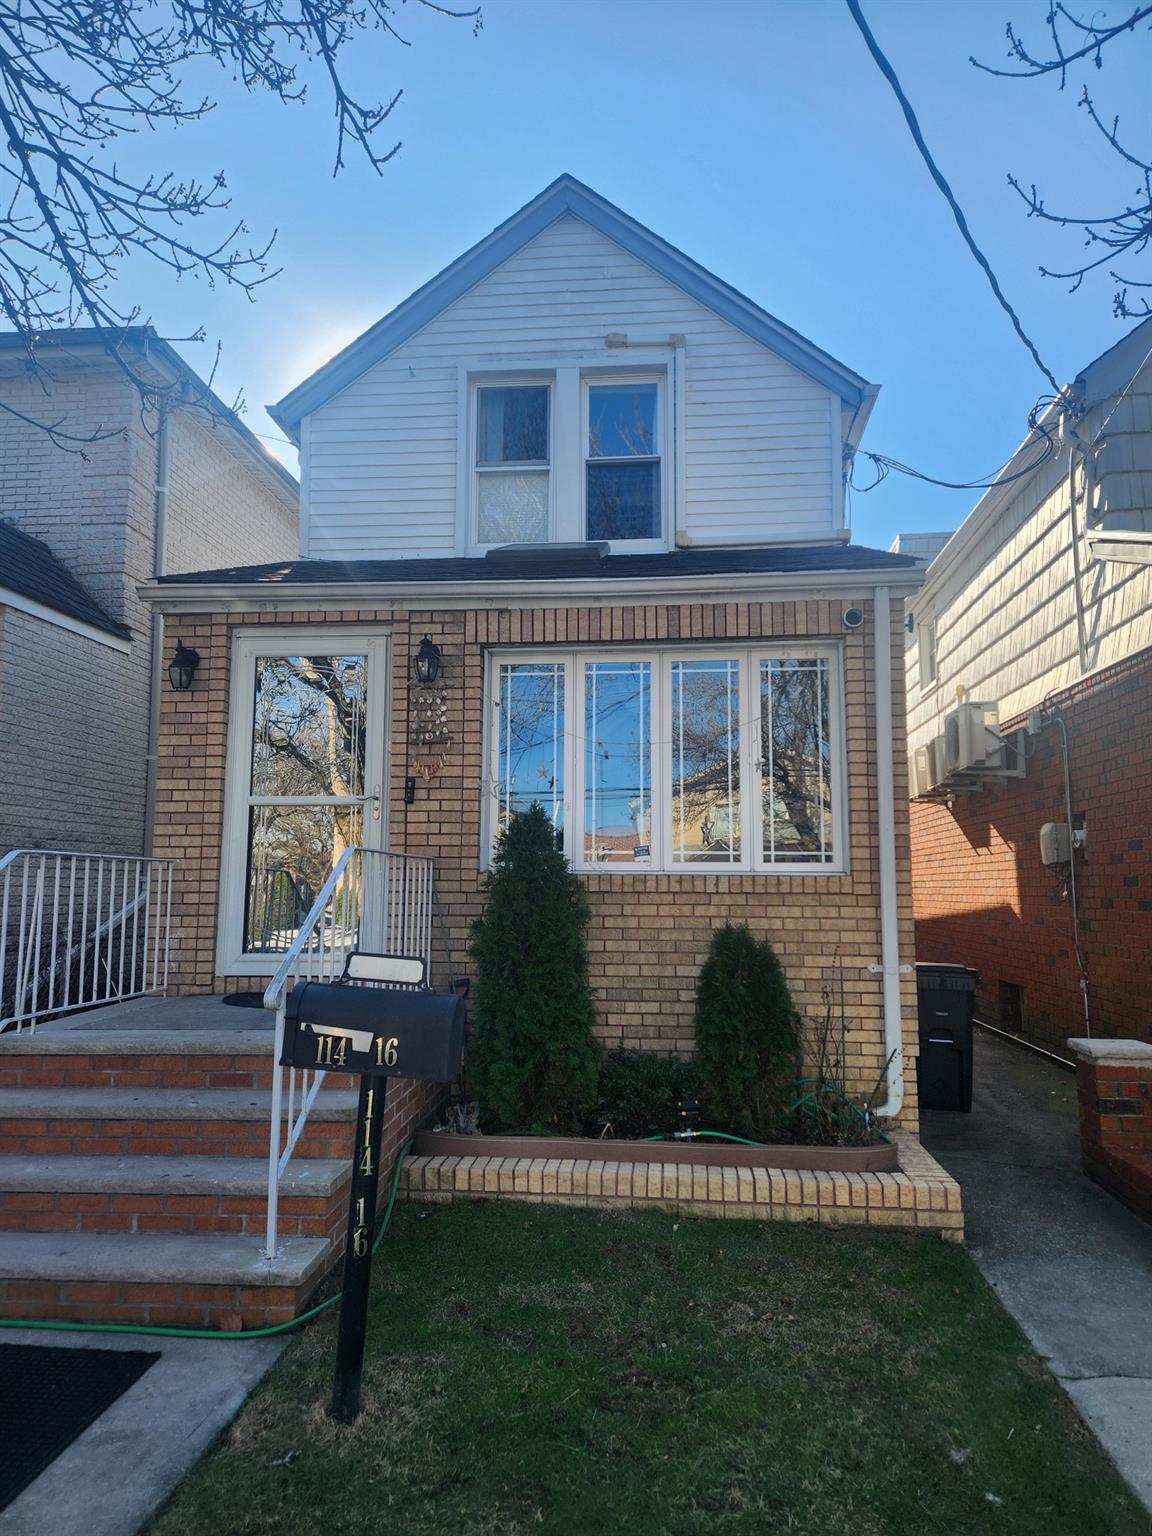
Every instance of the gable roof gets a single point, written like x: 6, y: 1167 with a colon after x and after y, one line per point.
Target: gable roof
x: 566, y: 195
x: 30, y: 569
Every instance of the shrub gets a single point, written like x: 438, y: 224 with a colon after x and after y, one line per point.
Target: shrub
x: 534, y: 1057
x: 640, y: 1091
x: 747, y: 1041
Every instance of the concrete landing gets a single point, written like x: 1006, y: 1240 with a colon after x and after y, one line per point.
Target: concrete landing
x: 161, y: 1013
x: 1072, y: 1265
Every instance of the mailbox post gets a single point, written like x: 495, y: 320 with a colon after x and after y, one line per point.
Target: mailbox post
x: 377, y: 1032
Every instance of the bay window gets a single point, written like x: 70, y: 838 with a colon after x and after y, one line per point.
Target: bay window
x: 674, y: 760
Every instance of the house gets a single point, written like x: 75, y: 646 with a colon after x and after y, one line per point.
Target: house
x: 572, y: 532
x: 82, y: 524
x: 609, y: 490
x: 1029, y: 669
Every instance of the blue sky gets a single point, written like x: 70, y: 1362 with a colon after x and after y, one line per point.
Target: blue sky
x: 758, y: 136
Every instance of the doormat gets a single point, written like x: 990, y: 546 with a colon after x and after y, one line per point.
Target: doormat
x: 52, y: 1395
x: 243, y: 999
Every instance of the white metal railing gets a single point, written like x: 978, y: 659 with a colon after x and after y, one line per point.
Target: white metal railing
x: 373, y: 900
x: 80, y: 929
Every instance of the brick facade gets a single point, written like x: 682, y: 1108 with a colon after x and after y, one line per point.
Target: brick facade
x: 983, y: 898
x: 74, y: 713
x: 1114, y: 1083
x: 649, y: 933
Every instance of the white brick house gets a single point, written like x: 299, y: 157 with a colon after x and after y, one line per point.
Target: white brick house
x: 76, y: 683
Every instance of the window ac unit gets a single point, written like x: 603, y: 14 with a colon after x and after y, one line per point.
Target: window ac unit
x: 971, y: 739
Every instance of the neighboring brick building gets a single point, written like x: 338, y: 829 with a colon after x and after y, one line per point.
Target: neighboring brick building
x: 1041, y: 608
x: 76, y: 694
x: 610, y: 490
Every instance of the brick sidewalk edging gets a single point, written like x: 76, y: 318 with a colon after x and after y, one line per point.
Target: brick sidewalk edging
x: 921, y: 1196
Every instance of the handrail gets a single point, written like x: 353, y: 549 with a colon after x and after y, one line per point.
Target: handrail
x: 373, y: 899
x: 78, y: 929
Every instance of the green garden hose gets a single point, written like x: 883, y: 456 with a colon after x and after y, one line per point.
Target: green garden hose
x: 699, y: 1135
x: 215, y: 1333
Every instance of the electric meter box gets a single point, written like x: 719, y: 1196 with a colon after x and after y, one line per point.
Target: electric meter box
x: 1055, y: 843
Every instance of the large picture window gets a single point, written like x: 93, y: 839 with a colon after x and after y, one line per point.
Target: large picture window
x: 674, y: 760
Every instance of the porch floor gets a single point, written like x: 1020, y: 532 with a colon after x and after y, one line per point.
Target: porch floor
x: 180, y: 1013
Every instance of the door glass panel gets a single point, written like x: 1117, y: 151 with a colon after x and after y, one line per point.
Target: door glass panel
x: 530, y: 751
x: 796, y: 761
x: 618, y: 762
x: 308, y: 725
x: 292, y: 849
x: 706, y: 762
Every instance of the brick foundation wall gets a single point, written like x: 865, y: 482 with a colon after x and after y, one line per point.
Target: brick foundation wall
x: 649, y: 933
x: 982, y: 897
x: 1114, y: 1092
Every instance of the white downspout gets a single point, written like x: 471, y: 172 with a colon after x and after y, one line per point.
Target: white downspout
x: 156, y: 673
x: 889, y: 967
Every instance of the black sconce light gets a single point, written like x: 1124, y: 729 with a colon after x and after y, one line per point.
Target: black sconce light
x: 182, y: 667
x: 426, y: 662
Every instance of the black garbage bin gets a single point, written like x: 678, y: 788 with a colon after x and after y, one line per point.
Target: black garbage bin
x: 946, y: 1001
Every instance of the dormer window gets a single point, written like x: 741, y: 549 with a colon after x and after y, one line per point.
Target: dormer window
x: 622, y: 468
x: 512, y: 463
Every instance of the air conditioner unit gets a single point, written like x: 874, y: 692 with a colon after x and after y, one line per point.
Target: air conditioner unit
x: 971, y: 738
x: 926, y: 771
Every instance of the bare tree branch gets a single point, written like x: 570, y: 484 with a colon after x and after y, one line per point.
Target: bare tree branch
x: 77, y: 75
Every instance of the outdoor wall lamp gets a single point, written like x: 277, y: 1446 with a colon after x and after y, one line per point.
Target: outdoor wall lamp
x: 182, y: 667
x: 426, y: 662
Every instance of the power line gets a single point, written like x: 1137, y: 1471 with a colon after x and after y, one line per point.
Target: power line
x: 938, y: 177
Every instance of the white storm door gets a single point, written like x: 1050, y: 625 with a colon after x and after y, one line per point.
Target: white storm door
x: 306, y: 781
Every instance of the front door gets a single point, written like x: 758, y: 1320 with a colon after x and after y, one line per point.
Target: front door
x: 306, y: 781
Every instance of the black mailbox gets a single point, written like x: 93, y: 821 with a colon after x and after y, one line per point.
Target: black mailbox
x: 379, y: 1032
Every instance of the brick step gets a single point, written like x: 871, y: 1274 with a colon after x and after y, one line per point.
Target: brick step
x: 170, y: 1194
x: 143, y: 1058
x: 163, y: 1122
x: 164, y: 1279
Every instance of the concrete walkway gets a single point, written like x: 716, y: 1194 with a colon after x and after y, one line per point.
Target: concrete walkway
x: 122, y: 1468
x: 1072, y: 1265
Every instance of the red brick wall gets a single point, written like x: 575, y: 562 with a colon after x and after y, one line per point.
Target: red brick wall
x: 982, y: 897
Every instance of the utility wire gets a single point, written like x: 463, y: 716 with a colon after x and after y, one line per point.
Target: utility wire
x: 938, y: 177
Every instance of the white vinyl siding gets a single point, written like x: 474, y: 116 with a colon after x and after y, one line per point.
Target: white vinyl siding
x: 1003, y: 595
x: 759, y: 458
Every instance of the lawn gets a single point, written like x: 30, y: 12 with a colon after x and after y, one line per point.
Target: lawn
x: 553, y: 1370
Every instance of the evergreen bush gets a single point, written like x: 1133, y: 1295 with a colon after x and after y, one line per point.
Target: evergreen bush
x: 640, y: 1091
x: 534, y: 1058
x: 747, y: 1033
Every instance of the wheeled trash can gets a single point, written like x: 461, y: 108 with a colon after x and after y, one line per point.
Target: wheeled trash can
x: 946, y: 1001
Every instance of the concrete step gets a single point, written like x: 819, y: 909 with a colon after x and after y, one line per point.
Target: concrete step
x: 163, y: 1122
x: 143, y: 1058
x: 165, y: 1279
x: 169, y: 1194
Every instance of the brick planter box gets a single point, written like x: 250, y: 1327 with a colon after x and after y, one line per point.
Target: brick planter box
x: 1115, y: 1098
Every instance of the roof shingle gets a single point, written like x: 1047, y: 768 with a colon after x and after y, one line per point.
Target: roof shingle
x: 29, y: 568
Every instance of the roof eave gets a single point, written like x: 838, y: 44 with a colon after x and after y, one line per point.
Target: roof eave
x: 591, y: 591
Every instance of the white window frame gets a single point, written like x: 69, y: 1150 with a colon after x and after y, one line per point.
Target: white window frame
x: 928, y: 665
x: 750, y: 655
x: 568, y: 377
x: 247, y: 645
x: 526, y: 380
x: 589, y: 379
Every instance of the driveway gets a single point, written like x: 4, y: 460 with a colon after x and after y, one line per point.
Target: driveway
x: 1071, y: 1264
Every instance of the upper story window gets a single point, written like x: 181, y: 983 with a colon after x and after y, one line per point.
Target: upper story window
x: 567, y: 454
x: 926, y: 643
x: 622, y: 476
x: 512, y: 463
